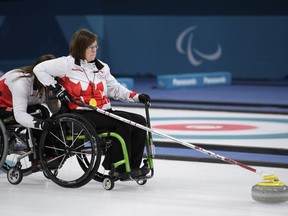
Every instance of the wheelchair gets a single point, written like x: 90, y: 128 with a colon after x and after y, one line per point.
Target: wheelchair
x: 109, y: 177
x: 60, y: 154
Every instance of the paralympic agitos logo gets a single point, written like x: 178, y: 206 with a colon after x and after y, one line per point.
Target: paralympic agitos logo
x: 194, y: 56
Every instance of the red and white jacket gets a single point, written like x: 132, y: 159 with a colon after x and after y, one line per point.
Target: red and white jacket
x: 84, y: 81
x: 17, y: 92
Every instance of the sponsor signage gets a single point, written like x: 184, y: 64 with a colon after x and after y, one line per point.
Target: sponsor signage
x: 193, y: 80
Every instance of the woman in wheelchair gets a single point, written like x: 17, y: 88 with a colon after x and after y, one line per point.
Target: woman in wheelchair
x: 21, y: 95
x: 86, y: 79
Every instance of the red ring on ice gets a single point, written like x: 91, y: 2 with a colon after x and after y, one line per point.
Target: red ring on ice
x: 205, y: 127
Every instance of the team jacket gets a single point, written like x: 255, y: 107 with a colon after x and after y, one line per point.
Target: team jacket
x: 84, y: 81
x: 17, y: 92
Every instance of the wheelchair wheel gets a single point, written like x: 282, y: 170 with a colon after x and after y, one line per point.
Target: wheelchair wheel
x: 101, y: 173
x: 141, y: 181
x: 3, y: 143
x: 63, y: 151
x: 10, y: 152
x: 15, y: 175
x: 108, y: 184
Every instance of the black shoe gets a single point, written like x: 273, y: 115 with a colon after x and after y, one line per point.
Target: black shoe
x: 134, y: 173
x: 140, y: 172
x: 144, y: 170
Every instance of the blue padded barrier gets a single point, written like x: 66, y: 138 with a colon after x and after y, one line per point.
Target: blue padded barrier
x: 193, y: 80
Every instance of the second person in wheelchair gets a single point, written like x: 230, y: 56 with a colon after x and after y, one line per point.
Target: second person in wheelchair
x: 21, y: 100
x: 21, y: 94
x: 85, y: 78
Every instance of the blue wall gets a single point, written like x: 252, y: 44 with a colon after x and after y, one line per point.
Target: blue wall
x: 248, y: 46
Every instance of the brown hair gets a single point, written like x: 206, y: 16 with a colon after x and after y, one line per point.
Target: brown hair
x: 28, y: 71
x: 80, y: 42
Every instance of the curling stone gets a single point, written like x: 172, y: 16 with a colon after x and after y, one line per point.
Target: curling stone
x: 271, y: 190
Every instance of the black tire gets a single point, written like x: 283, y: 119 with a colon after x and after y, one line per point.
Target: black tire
x: 63, y: 150
x: 141, y: 181
x: 108, y: 184
x: 14, y: 176
x: 101, y: 173
x: 3, y: 144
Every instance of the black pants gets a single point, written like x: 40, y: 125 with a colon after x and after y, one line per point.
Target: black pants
x: 134, y: 137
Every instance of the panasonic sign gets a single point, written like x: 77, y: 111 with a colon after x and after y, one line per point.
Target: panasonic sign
x: 193, y: 80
